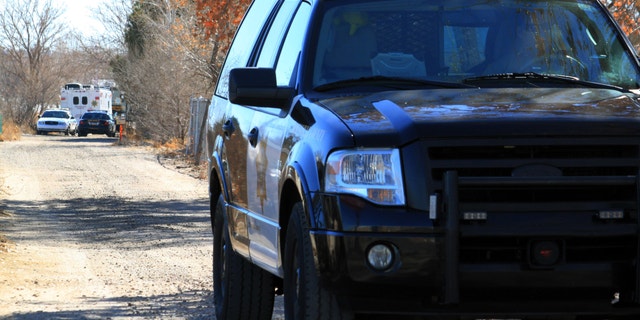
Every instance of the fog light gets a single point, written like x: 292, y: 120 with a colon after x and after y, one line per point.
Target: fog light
x: 380, y: 257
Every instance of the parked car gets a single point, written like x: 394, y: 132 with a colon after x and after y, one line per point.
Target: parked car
x: 97, y: 122
x: 56, y: 120
x: 455, y: 159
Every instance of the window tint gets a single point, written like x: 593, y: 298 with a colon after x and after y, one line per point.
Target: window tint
x: 276, y: 32
x: 460, y: 39
x: 290, y: 52
x: 473, y: 39
x: 91, y: 116
x: 84, y: 100
x: 76, y: 100
x: 55, y: 114
x: 243, y: 43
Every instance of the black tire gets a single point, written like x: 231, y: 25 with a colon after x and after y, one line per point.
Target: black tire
x: 241, y: 290
x: 82, y: 134
x: 304, y: 298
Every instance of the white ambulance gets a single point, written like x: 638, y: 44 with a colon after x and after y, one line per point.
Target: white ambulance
x: 80, y: 98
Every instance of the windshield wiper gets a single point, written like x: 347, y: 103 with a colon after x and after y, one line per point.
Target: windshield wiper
x: 527, y: 76
x: 391, y: 82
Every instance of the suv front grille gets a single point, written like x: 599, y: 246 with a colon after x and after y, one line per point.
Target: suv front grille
x: 523, y: 173
x: 536, y: 190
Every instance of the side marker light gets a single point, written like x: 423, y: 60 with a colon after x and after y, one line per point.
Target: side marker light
x: 611, y: 214
x: 474, y: 216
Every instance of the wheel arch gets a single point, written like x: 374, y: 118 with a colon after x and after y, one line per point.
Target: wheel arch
x: 294, y: 189
x: 217, y: 181
x: 214, y: 192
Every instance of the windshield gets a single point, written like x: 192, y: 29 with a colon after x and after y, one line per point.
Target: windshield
x: 55, y: 114
x: 451, y: 41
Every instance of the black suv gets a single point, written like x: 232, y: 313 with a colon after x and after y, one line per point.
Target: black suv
x: 460, y: 158
x: 97, y: 122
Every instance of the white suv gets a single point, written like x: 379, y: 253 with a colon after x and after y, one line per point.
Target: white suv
x: 57, y: 120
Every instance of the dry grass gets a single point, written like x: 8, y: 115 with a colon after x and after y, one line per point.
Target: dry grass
x: 170, y: 147
x: 10, y: 131
x: 173, y: 154
x: 5, y: 244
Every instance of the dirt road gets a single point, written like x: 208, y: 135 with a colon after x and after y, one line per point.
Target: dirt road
x: 92, y: 230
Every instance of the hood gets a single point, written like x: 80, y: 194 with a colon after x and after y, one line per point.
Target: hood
x: 394, y: 118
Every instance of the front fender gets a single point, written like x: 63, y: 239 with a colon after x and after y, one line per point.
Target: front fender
x: 302, y: 169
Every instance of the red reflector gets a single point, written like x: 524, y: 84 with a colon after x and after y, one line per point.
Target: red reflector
x: 546, y: 253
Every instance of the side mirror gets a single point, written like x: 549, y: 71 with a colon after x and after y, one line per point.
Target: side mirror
x: 258, y: 87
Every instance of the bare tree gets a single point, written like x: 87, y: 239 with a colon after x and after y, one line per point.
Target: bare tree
x: 29, y: 33
x: 161, y: 70
x: 113, y: 16
x: 627, y: 14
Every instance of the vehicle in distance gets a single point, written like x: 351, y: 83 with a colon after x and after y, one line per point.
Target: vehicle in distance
x: 79, y: 98
x: 56, y: 120
x: 438, y: 159
x: 97, y: 122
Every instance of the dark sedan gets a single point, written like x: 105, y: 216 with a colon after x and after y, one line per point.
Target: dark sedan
x: 97, y: 122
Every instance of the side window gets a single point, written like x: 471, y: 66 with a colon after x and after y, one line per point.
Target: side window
x: 85, y: 101
x: 243, y: 43
x: 290, y: 52
x: 278, y: 28
x: 76, y: 100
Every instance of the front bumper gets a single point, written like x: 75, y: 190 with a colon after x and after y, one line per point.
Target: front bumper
x: 52, y: 128
x: 478, y: 269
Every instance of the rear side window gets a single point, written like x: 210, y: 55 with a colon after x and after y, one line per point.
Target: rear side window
x: 273, y: 40
x: 243, y: 43
x: 292, y: 45
x: 283, y: 55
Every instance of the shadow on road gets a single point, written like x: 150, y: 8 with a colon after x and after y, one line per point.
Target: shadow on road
x: 192, y: 305
x: 130, y: 224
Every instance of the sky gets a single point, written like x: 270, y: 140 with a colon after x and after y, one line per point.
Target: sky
x: 80, y: 14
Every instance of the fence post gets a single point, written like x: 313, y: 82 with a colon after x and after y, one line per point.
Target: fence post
x: 199, y: 113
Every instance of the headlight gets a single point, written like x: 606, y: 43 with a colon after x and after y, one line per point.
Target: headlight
x: 370, y: 173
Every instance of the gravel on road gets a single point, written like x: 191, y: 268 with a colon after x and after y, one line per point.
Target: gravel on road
x: 90, y: 229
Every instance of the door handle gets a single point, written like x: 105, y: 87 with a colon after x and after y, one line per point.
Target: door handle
x: 253, y: 137
x: 228, y: 128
